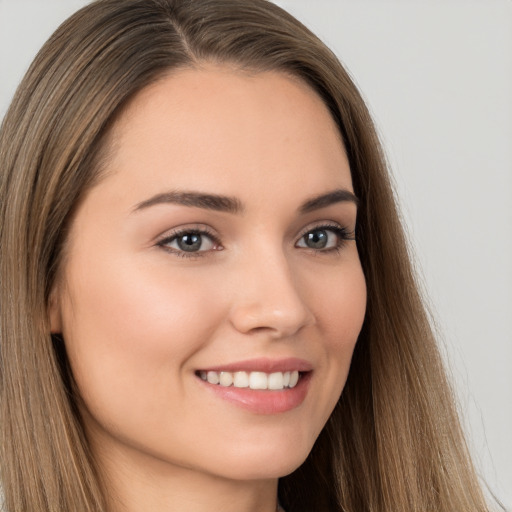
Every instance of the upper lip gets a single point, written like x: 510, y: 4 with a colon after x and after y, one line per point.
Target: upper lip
x: 263, y: 364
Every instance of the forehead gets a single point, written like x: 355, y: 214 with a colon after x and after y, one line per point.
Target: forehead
x: 218, y: 128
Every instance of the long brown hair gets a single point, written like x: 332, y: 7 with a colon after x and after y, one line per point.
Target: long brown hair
x: 393, y: 441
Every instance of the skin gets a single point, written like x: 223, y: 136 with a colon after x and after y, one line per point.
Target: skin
x: 139, y: 319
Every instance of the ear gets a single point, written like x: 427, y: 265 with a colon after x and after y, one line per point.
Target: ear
x: 54, y: 312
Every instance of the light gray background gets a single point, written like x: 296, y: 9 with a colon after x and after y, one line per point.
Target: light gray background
x: 438, y: 78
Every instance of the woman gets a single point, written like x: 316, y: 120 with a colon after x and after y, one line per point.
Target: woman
x: 185, y: 324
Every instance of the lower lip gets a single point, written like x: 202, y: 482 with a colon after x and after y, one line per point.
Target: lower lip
x: 263, y: 401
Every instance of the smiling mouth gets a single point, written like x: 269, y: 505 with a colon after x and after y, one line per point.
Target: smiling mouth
x: 274, y: 381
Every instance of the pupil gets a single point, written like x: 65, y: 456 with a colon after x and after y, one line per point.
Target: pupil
x: 189, y: 243
x: 317, y: 239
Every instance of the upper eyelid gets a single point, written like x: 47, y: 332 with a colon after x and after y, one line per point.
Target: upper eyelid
x: 326, y: 224
x: 202, y: 228
x: 176, y: 232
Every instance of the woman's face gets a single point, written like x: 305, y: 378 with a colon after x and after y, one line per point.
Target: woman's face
x: 218, y: 247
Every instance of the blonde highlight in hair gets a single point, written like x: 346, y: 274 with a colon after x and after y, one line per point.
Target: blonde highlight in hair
x: 393, y: 441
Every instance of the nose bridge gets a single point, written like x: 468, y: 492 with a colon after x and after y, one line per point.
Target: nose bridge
x: 268, y: 296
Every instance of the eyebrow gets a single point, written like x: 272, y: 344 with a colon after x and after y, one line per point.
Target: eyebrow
x: 195, y: 200
x: 233, y: 205
x: 324, y: 200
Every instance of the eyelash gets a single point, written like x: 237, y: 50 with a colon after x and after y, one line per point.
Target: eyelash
x: 343, y: 236
x: 188, y: 231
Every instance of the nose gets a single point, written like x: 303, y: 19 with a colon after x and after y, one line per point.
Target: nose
x: 268, y: 299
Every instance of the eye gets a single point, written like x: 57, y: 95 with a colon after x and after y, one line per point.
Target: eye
x: 188, y: 242
x: 324, y: 238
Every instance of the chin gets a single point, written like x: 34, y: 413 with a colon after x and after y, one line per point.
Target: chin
x: 263, y: 463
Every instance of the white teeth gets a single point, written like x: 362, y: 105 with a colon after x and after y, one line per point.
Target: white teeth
x: 276, y: 381
x: 212, y: 377
x: 226, y: 379
x: 241, y: 380
x: 258, y: 380
x: 252, y: 380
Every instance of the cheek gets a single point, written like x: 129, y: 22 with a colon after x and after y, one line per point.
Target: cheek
x: 130, y: 327
x: 341, y: 306
x: 347, y: 317
x: 126, y: 303
x: 344, y: 312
